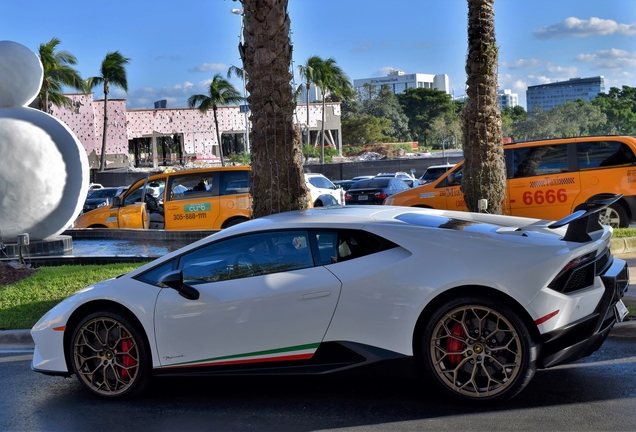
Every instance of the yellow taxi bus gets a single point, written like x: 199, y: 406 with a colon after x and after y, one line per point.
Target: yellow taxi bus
x: 207, y: 198
x: 549, y: 179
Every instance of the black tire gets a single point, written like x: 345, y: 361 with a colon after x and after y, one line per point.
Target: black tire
x: 614, y: 216
x: 495, y: 355
x: 235, y: 221
x: 109, y: 355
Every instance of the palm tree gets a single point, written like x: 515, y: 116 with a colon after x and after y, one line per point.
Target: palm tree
x: 220, y: 92
x: 306, y: 72
x: 484, y: 170
x: 113, y: 72
x: 329, y: 78
x: 57, y: 73
x: 278, y: 183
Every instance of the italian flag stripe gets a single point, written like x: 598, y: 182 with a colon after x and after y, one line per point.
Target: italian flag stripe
x: 299, y: 352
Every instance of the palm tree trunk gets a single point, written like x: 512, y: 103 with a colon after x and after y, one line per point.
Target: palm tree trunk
x: 307, y: 88
x: 218, y: 136
x: 102, y: 160
x: 484, y: 174
x: 278, y: 182
x: 322, y: 130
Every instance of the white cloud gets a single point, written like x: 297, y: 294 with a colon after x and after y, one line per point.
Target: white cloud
x: 610, y: 59
x: 209, y: 67
x: 578, y: 28
x: 522, y: 64
x: 176, y: 95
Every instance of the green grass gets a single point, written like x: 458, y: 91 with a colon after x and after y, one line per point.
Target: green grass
x: 23, y: 303
x: 624, y: 232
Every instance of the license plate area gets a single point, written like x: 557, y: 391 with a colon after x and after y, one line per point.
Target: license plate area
x: 620, y: 311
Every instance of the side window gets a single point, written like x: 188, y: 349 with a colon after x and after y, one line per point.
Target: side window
x: 154, y: 188
x: 604, y: 154
x: 189, y: 186
x: 152, y: 276
x: 452, y: 178
x: 134, y: 196
x: 332, y: 247
x: 246, y: 256
x: 234, y: 182
x: 540, y: 160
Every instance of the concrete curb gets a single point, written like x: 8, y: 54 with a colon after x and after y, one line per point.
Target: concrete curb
x: 16, y: 340
x: 625, y: 245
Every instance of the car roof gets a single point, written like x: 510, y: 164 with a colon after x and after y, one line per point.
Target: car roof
x: 359, y: 215
x: 448, y: 165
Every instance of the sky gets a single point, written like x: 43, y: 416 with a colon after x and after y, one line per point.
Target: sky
x: 176, y: 47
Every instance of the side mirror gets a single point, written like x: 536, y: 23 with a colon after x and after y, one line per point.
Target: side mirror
x: 174, y: 280
x: 451, y: 179
x: 117, y: 201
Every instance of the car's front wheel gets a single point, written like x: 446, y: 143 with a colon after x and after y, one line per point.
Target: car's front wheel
x: 109, y: 355
x: 478, y: 350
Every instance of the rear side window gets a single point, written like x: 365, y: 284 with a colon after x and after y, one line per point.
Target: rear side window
x: 540, y: 160
x: 330, y: 247
x: 235, y: 182
x: 198, y: 185
x: 600, y: 154
x: 321, y: 182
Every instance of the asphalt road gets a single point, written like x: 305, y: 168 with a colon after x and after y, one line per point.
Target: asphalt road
x: 597, y: 393
x: 593, y: 394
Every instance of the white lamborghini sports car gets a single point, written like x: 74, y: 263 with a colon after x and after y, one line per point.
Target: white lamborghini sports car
x: 478, y: 302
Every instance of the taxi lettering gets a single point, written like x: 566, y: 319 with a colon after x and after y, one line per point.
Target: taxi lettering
x: 552, y: 182
x: 549, y: 196
x: 199, y: 207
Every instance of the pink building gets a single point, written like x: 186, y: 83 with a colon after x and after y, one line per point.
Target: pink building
x: 152, y: 137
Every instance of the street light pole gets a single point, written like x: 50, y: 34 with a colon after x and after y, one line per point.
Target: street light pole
x: 247, y: 126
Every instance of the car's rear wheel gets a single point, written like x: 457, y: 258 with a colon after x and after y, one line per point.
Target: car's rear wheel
x: 614, y: 216
x: 478, y: 350
x: 109, y: 355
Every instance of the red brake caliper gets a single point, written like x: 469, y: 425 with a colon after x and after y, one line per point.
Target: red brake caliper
x: 127, y: 360
x: 453, y: 345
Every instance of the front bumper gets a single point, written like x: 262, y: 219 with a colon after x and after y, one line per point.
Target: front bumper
x: 581, y: 338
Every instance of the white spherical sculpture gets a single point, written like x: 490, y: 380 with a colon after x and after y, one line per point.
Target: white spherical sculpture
x: 43, y: 166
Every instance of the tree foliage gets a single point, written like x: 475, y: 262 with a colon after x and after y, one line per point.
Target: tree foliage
x: 366, y: 129
x: 330, y: 79
x: 421, y: 106
x: 112, y: 72
x: 385, y: 105
x: 58, y: 72
x: 220, y: 92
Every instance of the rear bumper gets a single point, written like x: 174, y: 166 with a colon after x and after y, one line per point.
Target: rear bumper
x: 583, y: 337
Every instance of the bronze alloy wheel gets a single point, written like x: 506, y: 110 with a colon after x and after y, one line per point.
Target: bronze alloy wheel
x: 479, y: 351
x: 108, y: 355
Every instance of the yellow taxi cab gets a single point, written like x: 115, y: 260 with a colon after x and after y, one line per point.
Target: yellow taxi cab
x: 207, y: 198
x: 549, y: 179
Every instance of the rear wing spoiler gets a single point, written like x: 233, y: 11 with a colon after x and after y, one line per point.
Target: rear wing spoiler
x: 585, y: 220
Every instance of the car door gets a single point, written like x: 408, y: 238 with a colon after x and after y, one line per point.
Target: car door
x: 191, y: 201
x: 541, y: 183
x: 257, y: 303
x: 450, y: 190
